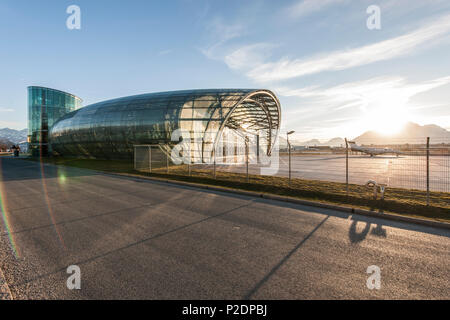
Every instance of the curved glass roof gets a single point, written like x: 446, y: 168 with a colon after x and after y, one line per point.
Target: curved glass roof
x: 112, y: 127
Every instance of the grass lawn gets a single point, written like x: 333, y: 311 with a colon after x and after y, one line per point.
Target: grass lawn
x: 399, y: 201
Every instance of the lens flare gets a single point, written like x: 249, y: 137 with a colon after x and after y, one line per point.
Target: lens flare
x: 49, y: 207
x: 4, y: 212
x: 61, y: 178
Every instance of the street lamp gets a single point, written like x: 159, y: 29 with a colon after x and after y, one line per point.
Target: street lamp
x: 289, y: 150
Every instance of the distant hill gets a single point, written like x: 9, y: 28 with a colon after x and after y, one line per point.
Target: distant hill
x: 335, y: 142
x: 412, y: 133
x: 14, y: 136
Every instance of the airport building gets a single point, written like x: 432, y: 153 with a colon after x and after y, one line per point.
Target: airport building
x: 111, y: 129
x: 45, y: 107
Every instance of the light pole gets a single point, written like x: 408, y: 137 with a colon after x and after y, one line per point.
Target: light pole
x: 289, y: 150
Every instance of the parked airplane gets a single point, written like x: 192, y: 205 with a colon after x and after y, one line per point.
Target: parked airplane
x: 372, y: 151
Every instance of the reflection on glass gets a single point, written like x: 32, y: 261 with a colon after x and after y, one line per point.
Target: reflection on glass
x: 110, y: 129
x: 45, y: 107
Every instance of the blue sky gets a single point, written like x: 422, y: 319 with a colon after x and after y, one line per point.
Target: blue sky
x: 333, y: 75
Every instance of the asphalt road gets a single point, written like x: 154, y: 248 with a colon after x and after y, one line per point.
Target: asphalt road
x: 146, y: 240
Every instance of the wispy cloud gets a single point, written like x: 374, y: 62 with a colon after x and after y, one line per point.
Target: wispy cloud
x: 286, y: 68
x: 6, y: 110
x: 359, y: 105
x: 248, y: 57
x: 361, y: 94
x: 164, y: 52
x: 307, y: 7
x: 221, y: 31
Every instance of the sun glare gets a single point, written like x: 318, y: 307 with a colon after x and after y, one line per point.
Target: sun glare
x: 386, y: 118
x: 387, y: 124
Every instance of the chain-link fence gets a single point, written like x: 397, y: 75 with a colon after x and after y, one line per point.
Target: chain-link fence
x: 415, y: 170
x: 422, y: 165
x: 152, y: 158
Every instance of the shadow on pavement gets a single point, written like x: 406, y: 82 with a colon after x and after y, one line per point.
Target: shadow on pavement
x: 282, y: 261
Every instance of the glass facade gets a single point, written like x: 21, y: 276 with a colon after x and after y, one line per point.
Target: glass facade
x: 45, y: 107
x: 111, y: 128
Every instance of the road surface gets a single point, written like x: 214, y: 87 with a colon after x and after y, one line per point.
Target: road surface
x: 136, y: 239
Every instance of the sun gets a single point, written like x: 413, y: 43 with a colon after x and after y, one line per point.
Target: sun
x: 388, y: 124
x: 386, y: 119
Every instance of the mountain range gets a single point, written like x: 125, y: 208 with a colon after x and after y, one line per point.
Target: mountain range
x: 411, y: 133
x: 335, y: 142
x: 13, y: 136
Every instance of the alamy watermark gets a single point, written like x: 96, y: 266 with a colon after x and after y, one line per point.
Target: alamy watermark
x: 74, y: 280
x: 73, y: 22
x: 233, y: 147
x: 374, y: 20
x: 374, y: 280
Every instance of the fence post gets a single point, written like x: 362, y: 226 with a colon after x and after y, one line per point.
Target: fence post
x: 346, y: 166
x: 214, y: 155
x: 428, y: 171
x: 246, y: 157
x: 167, y: 163
x: 150, y: 158
x: 190, y: 160
x: 289, y: 151
x: 135, y: 168
x: 257, y: 148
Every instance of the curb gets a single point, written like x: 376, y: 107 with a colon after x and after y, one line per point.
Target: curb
x: 5, y: 293
x: 363, y: 212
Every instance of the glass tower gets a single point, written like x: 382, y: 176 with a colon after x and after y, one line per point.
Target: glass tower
x: 45, y: 107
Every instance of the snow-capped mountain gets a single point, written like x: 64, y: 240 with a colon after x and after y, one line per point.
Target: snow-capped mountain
x: 15, y: 136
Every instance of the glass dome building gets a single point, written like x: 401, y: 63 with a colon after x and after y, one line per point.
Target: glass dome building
x: 112, y: 128
x: 45, y: 107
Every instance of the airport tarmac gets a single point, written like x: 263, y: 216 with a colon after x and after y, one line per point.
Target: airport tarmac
x: 408, y: 172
